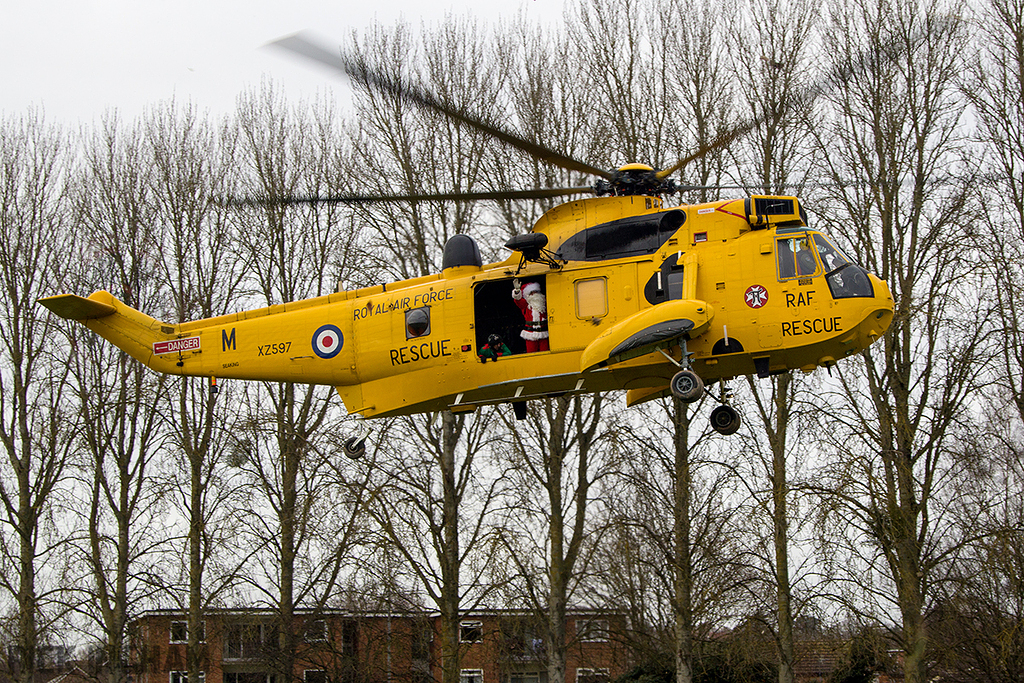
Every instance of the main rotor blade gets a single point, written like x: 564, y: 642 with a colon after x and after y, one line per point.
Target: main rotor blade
x: 412, y: 198
x: 302, y: 44
x: 722, y: 140
x: 888, y: 51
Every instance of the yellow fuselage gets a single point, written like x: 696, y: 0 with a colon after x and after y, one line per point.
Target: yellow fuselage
x: 359, y: 341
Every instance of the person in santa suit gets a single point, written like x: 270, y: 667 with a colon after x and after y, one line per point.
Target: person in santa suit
x: 534, y: 307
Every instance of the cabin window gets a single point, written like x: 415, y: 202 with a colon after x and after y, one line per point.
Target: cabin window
x: 796, y: 257
x: 831, y: 257
x: 417, y: 322
x: 846, y: 280
x: 666, y: 283
x: 591, y: 298
x: 632, y: 236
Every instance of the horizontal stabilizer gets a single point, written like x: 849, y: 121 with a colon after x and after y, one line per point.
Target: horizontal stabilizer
x: 74, y: 307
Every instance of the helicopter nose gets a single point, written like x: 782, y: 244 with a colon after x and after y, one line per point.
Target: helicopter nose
x: 877, y: 322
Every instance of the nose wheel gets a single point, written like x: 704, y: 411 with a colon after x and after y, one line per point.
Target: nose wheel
x: 724, y: 419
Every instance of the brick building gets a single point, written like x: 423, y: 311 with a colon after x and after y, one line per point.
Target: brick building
x: 244, y: 646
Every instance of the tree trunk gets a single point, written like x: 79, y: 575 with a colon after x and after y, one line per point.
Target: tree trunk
x: 683, y: 559
x: 451, y: 654
x: 780, y: 529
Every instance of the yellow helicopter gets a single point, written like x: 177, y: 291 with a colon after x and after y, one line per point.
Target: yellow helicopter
x: 611, y: 292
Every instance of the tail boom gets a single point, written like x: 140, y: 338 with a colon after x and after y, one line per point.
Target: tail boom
x: 135, y: 333
x: 296, y: 342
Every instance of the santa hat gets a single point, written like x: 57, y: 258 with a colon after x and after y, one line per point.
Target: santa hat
x: 530, y: 288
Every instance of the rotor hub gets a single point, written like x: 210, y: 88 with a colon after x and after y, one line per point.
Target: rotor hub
x: 634, y: 180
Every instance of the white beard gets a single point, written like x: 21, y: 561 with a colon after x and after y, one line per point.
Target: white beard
x: 537, y: 301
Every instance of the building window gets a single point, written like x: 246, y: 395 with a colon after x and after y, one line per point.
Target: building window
x: 592, y: 630
x: 246, y: 641
x: 348, y: 637
x: 422, y: 637
x: 471, y: 632
x: 524, y: 678
x: 179, y: 632
x: 314, y: 676
x: 592, y: 676
x: 316, y: 631
x: 248, y: 677
x: 471, y: 676
x: 182, y: 677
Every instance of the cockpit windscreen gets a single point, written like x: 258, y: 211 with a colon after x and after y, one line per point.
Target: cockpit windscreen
x: 846, y: 279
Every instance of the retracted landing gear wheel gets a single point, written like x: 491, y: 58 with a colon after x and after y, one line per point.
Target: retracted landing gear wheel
x: 687, y: 386
x: 725, y: 420
x: 355, y: 448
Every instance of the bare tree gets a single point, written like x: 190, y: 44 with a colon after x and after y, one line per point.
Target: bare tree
x: 121, y: 429
x: 773, y: 459
x: 673, y: 554
x: 192, y: 160
x: 630, y: 69
x: 433, y: 506
x: 557, y: 465
x: 994, y: 88
x: 549, y: 105
x: 701, y: 76
x: 431, y: 501
x: 774, y: 154
x: 37, y: 418
x: 410, y: 149
x: 900, y: 413
x: 282, y: 442
x: 976, y: 620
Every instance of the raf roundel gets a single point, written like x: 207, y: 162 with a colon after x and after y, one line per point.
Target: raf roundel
x: 327, y: 341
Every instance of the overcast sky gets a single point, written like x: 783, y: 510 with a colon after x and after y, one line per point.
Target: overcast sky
x: 77, y: 59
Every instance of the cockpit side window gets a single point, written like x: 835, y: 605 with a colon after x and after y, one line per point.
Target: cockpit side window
x: 831, y: 257
x: 796, y: 257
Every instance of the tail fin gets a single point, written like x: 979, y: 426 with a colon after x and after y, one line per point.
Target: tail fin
x: 129, y: 330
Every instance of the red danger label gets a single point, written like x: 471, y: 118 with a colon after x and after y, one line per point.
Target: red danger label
x: 176, y: 345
